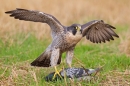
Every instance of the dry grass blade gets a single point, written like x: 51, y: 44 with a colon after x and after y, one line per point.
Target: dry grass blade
x: 3, y: 72
x: 71, y: 82
x: 35, y: 78
x: 79, y: 62
x: 98, y: 69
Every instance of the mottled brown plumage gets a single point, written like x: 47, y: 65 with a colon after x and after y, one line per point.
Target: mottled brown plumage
x: 64, y: 39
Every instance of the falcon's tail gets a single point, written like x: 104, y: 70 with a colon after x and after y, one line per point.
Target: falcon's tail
x: 44, y: 60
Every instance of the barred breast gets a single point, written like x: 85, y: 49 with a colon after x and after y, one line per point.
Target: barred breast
x: 69, y: 41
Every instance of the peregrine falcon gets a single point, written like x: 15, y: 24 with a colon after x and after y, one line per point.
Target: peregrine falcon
x: 64, y: 38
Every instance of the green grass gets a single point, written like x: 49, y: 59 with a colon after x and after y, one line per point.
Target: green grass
x: 15, y: 61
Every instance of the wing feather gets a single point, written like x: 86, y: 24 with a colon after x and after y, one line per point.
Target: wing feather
x: 87, y: 35
x: 97, y: 38
x: 94, y: 37
x: 108, y: 35
x: 37, y: 16
x: 91, y: 36
x: 110, y: 31
x: 97, y: 31
x: 105, y: 35
x: 102, y: 35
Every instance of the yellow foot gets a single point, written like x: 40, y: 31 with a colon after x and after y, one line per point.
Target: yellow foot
x: 70, y: 66
x: 56, y: 73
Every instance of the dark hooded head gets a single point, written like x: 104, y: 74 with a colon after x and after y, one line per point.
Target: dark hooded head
x: 75, y: 28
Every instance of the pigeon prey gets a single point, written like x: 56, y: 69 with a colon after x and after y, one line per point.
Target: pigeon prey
x: 73, y: 73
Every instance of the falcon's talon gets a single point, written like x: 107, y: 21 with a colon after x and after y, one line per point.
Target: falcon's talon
x: 57, y: 73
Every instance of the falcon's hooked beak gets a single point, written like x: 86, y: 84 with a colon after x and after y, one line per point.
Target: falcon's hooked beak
x: 78, y: 28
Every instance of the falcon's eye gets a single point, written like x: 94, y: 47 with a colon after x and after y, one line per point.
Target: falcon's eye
x: 76, y: 28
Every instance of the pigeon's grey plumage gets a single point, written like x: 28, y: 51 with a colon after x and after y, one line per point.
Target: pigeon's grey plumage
x: 73, y: 73
x: 64, y: 38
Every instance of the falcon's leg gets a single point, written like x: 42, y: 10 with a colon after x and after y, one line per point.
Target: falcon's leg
x: 56, y: 73
x: 69, y: 57
x: 54, y: 60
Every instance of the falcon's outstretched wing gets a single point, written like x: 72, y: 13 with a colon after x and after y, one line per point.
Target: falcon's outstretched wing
x: 97, y: 31
x: 36, y: 16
